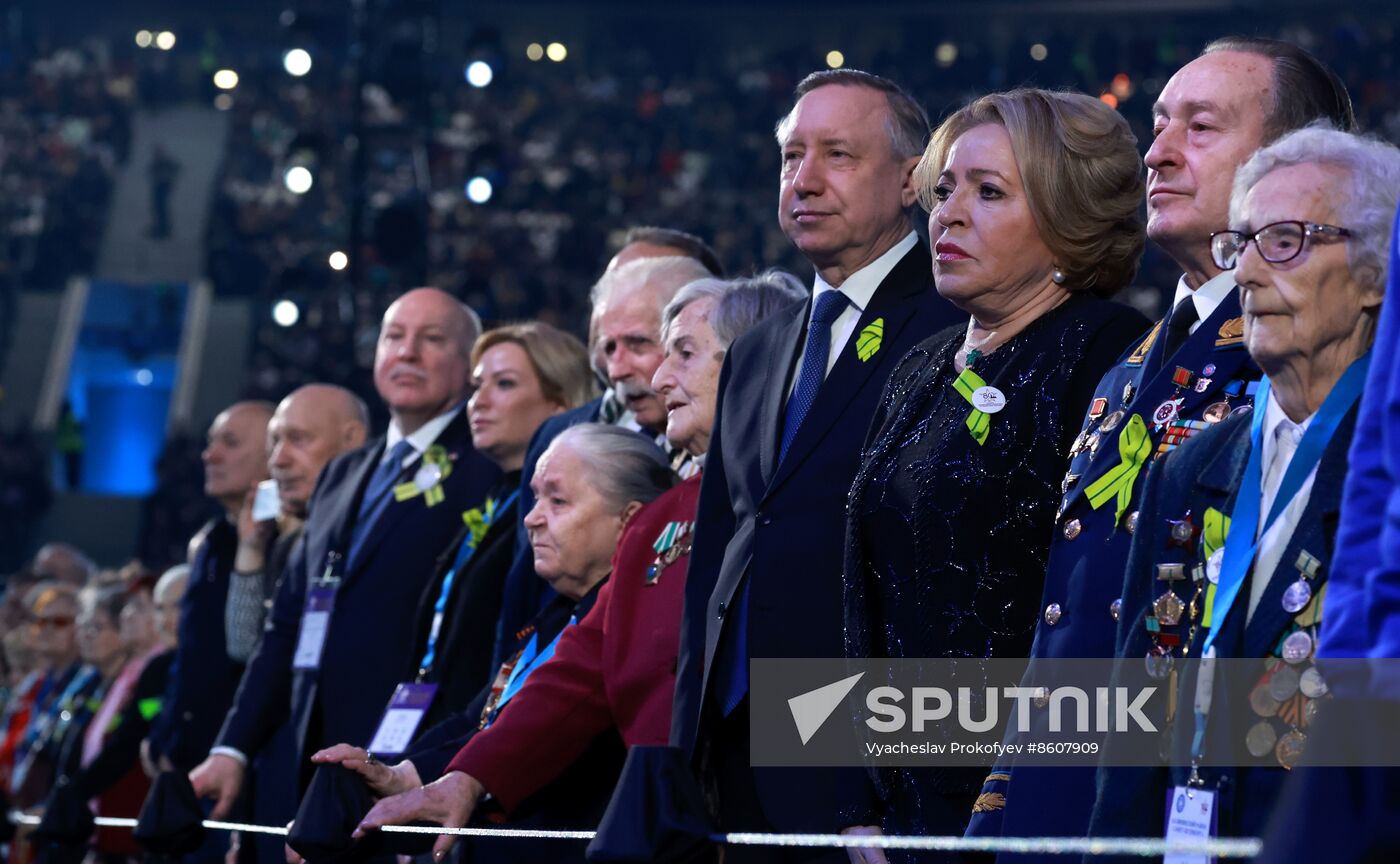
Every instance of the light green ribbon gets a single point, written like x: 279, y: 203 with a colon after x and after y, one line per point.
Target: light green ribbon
x: 433, y: 495
x: 1214, y: 530
x: 1134, y: 445
x: 979, y: 422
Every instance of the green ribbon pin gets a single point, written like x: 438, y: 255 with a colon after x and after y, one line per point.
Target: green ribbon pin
x: 1134, y: 445
x: 478, y: 520
x: 432, y: 496
x: 1215, y: 528
x: 868, y: 342
x: 979, y: 422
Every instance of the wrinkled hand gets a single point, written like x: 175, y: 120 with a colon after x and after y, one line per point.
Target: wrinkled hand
x: 447, y: 801
x: 383, y: 780
x: 865, y: 854
x: 219, y: 777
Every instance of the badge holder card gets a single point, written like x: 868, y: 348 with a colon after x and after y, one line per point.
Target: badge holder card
x: 402, y: 717
x: 316, y: 617
x: 1191, y: 818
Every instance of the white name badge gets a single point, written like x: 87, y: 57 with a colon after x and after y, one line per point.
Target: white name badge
x: 1190, y: 819
x: 315, y: 621
x: 402, y: 718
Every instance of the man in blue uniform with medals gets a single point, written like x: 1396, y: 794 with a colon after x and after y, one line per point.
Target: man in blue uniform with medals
x: 1189, y: 371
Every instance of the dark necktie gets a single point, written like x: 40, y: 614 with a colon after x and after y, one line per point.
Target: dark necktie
x: 814, y: 356
x: 1179, y: 327
x: 378, y: 494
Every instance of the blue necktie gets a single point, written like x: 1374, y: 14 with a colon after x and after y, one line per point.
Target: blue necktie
x: 378, y: 494
x: 814, y: 357
x: 734, y: 672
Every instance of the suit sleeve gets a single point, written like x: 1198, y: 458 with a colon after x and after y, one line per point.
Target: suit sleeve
x: 263, y: 702
x: 550, y: 722
x: 714, y: 528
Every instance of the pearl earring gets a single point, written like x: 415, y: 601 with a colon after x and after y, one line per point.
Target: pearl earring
x: 1057, y: 276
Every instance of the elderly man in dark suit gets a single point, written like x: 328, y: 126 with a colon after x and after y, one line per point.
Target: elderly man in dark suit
x: 795, y: 401
x: 379, y: 518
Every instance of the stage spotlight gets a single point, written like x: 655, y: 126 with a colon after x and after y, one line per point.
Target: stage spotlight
x: 165, y: 40
x: 223, y: 102
x: 1039, y: 52
x: 946, y: 54
x: 1109, y: 99
x: 479, y: 73
x: 557, y: 52
x: 297, y: 62
x: 338, y: 260
x: 144, y: 377
x: 479, y: 190
x: 298, y: 179
x: 535, y: 51
x: 835, y: 59
x: 285, y: 313
x: 144, y: 38
x: 226, y: 79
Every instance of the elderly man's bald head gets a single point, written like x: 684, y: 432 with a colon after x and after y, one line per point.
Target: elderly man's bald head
x: 422, y: 363
x: 235, y: 458
x: 311, y: 427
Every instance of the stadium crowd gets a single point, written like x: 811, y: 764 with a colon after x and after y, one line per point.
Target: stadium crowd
x: 536, y: 589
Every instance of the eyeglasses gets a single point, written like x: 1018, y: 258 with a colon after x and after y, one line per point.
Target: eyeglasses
x: 1277, y: 243
x: 57, y: 622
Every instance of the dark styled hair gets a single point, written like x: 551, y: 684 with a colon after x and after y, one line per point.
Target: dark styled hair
x: 692, y: 246
x: 907, y: 124
x: 1305, y: 89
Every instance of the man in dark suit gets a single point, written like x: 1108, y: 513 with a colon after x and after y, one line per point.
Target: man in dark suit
x: 795, y: 401
x: 1188, y: 373
x: 379, y: 517
x: 626, y: 330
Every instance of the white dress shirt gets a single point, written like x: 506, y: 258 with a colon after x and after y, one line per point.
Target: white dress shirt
x: 1280, y: 441
x: 422, y: 438
x: 1207, y: 297
x: 859, y: 287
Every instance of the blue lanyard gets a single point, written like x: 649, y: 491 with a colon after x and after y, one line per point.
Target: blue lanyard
x: 464, y: 554
x: 530, y: 660
x: 1245, y: 533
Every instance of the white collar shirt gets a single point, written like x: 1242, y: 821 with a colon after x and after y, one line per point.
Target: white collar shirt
x: 1280, y: 441
x: 1207, y: 297
x: 422, y: 438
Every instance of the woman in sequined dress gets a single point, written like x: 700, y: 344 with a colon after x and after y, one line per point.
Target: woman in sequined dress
x: 1033, y: 197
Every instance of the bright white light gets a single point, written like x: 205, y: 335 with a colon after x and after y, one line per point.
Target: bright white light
x: 144, y: 38
x: 285, y: 313
x: 223, y: 102
x: 946, y: 54
x: 298, y: 179
x: 1039, y: 52
x: 479, y: 190
x: 165, y: 40
x: 297, y: 62
x: 557, y: 52
x: 338, y: 260
x: 535, y: 51
x: 835, y: 59
x: 479, y: 73
x: 226, y: 79
x: 144, y: 377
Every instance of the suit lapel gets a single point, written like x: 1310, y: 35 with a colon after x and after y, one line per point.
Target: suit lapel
x: 1315, y: 534
x: 850, y: 374
x: 786, y: 348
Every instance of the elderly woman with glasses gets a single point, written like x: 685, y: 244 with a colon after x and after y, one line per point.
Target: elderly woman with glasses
x: 1237, y: 532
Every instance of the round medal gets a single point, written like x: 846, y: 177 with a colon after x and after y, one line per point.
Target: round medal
x: 1310, y: 713
x: 1115, y: 608
x: 1158, y: 663
x: 1297, y: 648
x: 1311, y: 682
x: 426, y: 477
x: 1260, y: 739
x: 1128, y: 392
x: 1111, y: 421
x: 1262, y: 702
x: 1290, y: 748
x: 1284, y: 683
x: 1297, y: 596
x: 988, y: 400
x: 1209, y: 370
x: 1213, y: 563
x: 1215, y: 412
x: 1166, y: 412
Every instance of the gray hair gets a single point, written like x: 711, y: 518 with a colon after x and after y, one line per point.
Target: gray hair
x: 662, y: 276
x: 739, y: 303
x: 1367, y: 201
x: 907, y: 122
x: 623, y: 465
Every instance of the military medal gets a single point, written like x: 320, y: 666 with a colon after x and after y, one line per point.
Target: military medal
x: 1070, y: 480
x: 1209, y: 370
x: 1296, y: 597
x: 668, y: 547
x: 1260, y: 739
x: 1128, y: 391
x: 1099, y: 406
x: 1115, y: 608
x: 1167, y: 609
x: 1290, y: 748
x: 1284, y: 683
x: 1310, y: 713
x: 1213, y: 565
x: 1202, y: 385
x: 1297, y: 648
x: 1312, y: 684
x: 1183, y: 531
x: 1111, y: 421
x: 1159, y: 663
x: 1130, y: 522
x: 1216, y: 412
x: 1166, y: 413
x: 1262, y: 702
x: 1092, y: 443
